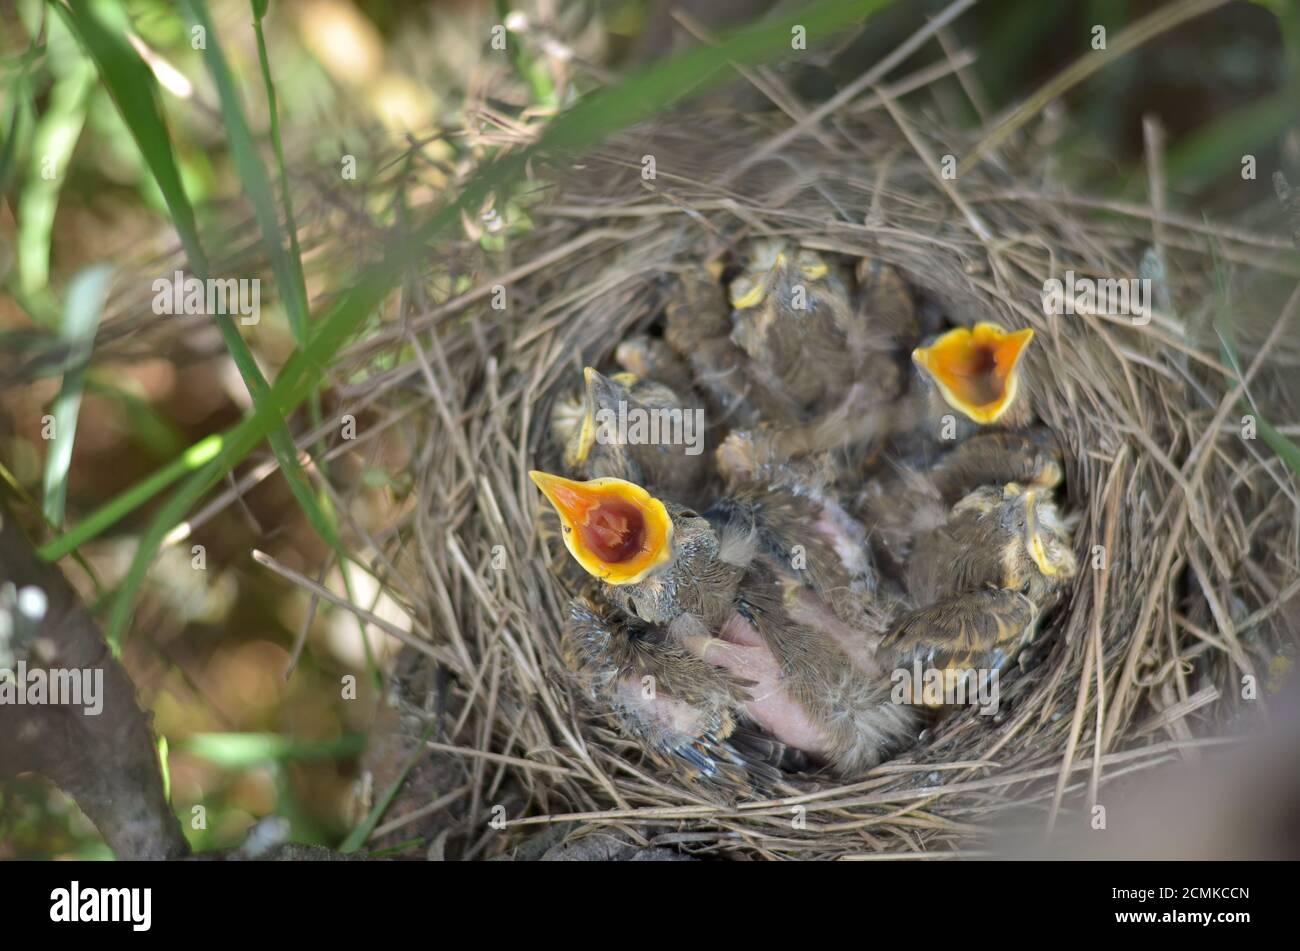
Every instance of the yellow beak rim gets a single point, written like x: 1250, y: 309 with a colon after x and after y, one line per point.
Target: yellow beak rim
x: 1034, y: 538
x: 747, y: 291
x: 587, y: 433
x: 616, y: 530
x: 977, y: 369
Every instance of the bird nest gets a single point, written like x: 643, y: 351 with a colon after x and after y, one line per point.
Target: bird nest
x: 1186, y: 535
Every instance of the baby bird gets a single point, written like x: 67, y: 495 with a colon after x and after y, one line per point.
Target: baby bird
x: 794, y: 323
x: 1008, y: 537
x: 886, y: 324
x: 885, y: 303
x: 980, y: 630
x: 978, y: 372
x: 681, y: 709
x: 726, y: 588
x: 651, y: 358
x: 637, y: 430
x: 1030, y: 457
x: 698, y: 327
x: 984, y: 578
x: 754, y: 283
x: 657, y: 561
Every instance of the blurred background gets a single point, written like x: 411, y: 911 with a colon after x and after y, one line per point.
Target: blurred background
x: 246, y: 677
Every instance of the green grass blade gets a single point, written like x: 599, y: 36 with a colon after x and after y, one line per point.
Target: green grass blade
x: 101, y: 26
x: 659, y: 86
x: 81, y: 313
x: 117, y: 508
x: 288, y: 275
x: 20, y: 110
x: 295, y: 279
x: 286, y: 265
x: 248, y: 165
x: 299, y: 378
x: 358, y: 836
x: 1217, y: 148
x: 290, y: 223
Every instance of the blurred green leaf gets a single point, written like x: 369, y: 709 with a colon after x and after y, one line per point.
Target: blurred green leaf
x: 243, y: 750
x: 81, y: 313
x: 20, y: 109
x: 93, y: 525
x: 1217, y: 147
x: 54, y: 138
x: 297, y: 280
x: 1288, y: 18
x: 1014, y: 40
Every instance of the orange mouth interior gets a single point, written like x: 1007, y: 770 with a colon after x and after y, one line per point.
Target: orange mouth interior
x: 612, y: 528
x: 616, y: 530
x: 975, y: 369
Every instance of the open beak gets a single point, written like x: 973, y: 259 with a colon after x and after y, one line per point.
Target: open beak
x: 976, y: 369
x: 1034, y: 538
x: 616, y: 530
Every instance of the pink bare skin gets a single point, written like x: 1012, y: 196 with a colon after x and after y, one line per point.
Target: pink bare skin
x: 741, y: 652
x: 739, y: 649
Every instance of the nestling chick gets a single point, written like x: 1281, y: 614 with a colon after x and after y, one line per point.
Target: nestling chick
x: 651, y: 358
x: 761, y: 263
x: 898, y: 506
x: 977, y: 371
x: 823, y: 447
x: 980, y: 630
x: 1008, y: 537
x: 795, y: 325
x: 640, y: 431
x: 726, y: 588
x: 682, y: 709
x: 885, y: 323
x: 1030, y: 457
x: 885, y: 304
x: 698, y: 328
x: 657, y: 561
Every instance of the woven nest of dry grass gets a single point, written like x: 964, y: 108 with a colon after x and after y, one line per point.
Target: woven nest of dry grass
x: 1188, y: 535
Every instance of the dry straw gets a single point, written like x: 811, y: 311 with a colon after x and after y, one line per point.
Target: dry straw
x: 1196, y: 526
